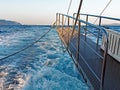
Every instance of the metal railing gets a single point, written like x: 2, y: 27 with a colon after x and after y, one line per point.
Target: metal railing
x: 113, y: 36
x: 86, y: 23
x: 114, y: 44
x: 99, y: 17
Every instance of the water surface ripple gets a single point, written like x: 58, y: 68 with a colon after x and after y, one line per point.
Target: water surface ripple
x: 44, y: 66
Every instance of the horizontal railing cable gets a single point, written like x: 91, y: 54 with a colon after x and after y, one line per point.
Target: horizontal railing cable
x: 104, y: 17
x: 90, y: 24
x: 28, y: 45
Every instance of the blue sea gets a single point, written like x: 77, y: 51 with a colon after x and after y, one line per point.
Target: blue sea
x: 43, y: 66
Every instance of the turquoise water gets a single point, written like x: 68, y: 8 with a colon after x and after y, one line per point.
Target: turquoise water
x: 43, y: 66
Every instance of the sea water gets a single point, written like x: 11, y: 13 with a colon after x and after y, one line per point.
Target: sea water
x: 43, y: 66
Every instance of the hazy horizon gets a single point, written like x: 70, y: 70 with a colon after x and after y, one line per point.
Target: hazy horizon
x: 39, y: 12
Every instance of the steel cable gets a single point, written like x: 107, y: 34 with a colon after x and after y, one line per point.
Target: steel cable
x: 68, y: 10
x: 80, y: 5
x: 103, y: 10
x: 27, y: 46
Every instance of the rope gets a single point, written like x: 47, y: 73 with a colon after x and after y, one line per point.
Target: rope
x: 28, y: 45
x: 69, y: 7
x: 103, y: 10
x: 70, y: 3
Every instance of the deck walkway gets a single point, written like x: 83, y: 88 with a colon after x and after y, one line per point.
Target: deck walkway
x: 90, y: 59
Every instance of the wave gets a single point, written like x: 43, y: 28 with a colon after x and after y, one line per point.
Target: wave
x: 42, y: 66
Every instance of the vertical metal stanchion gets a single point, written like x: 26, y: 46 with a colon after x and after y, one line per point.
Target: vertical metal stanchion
x: 68, y: 29
x: 86, y: 27
x: 104, y: 65
x: 79, y: 25
x: 98, y: 32
x: 104, y: 60
x: 73, y: 21
x: 57, y: 20
x: 68, y: 21
x: 62, y: 23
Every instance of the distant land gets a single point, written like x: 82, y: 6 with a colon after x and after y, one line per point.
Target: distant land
x: 8, y: 22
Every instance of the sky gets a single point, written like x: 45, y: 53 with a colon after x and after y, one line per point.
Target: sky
x: 40, y: 12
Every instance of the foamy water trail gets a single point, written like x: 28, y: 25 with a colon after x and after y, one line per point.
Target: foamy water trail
x: 49, y: 78
x: 41, y: 67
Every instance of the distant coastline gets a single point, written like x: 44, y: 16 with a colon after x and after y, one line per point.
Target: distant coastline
x: 8, y: 22
x: 14, y: 23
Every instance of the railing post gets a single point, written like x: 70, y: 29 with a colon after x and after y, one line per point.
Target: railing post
x: 104, y: 65
x: 86, y: 26
x: 100, y: 21
x: 59, y: 20
x: 68, y: 21
x: 69, y: 30
x: 73, y: 20
x: 99, y: 31
x: 62, y: 23
x: 79, y: 25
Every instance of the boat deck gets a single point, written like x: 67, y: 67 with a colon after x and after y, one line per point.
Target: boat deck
x: 89, y: 59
